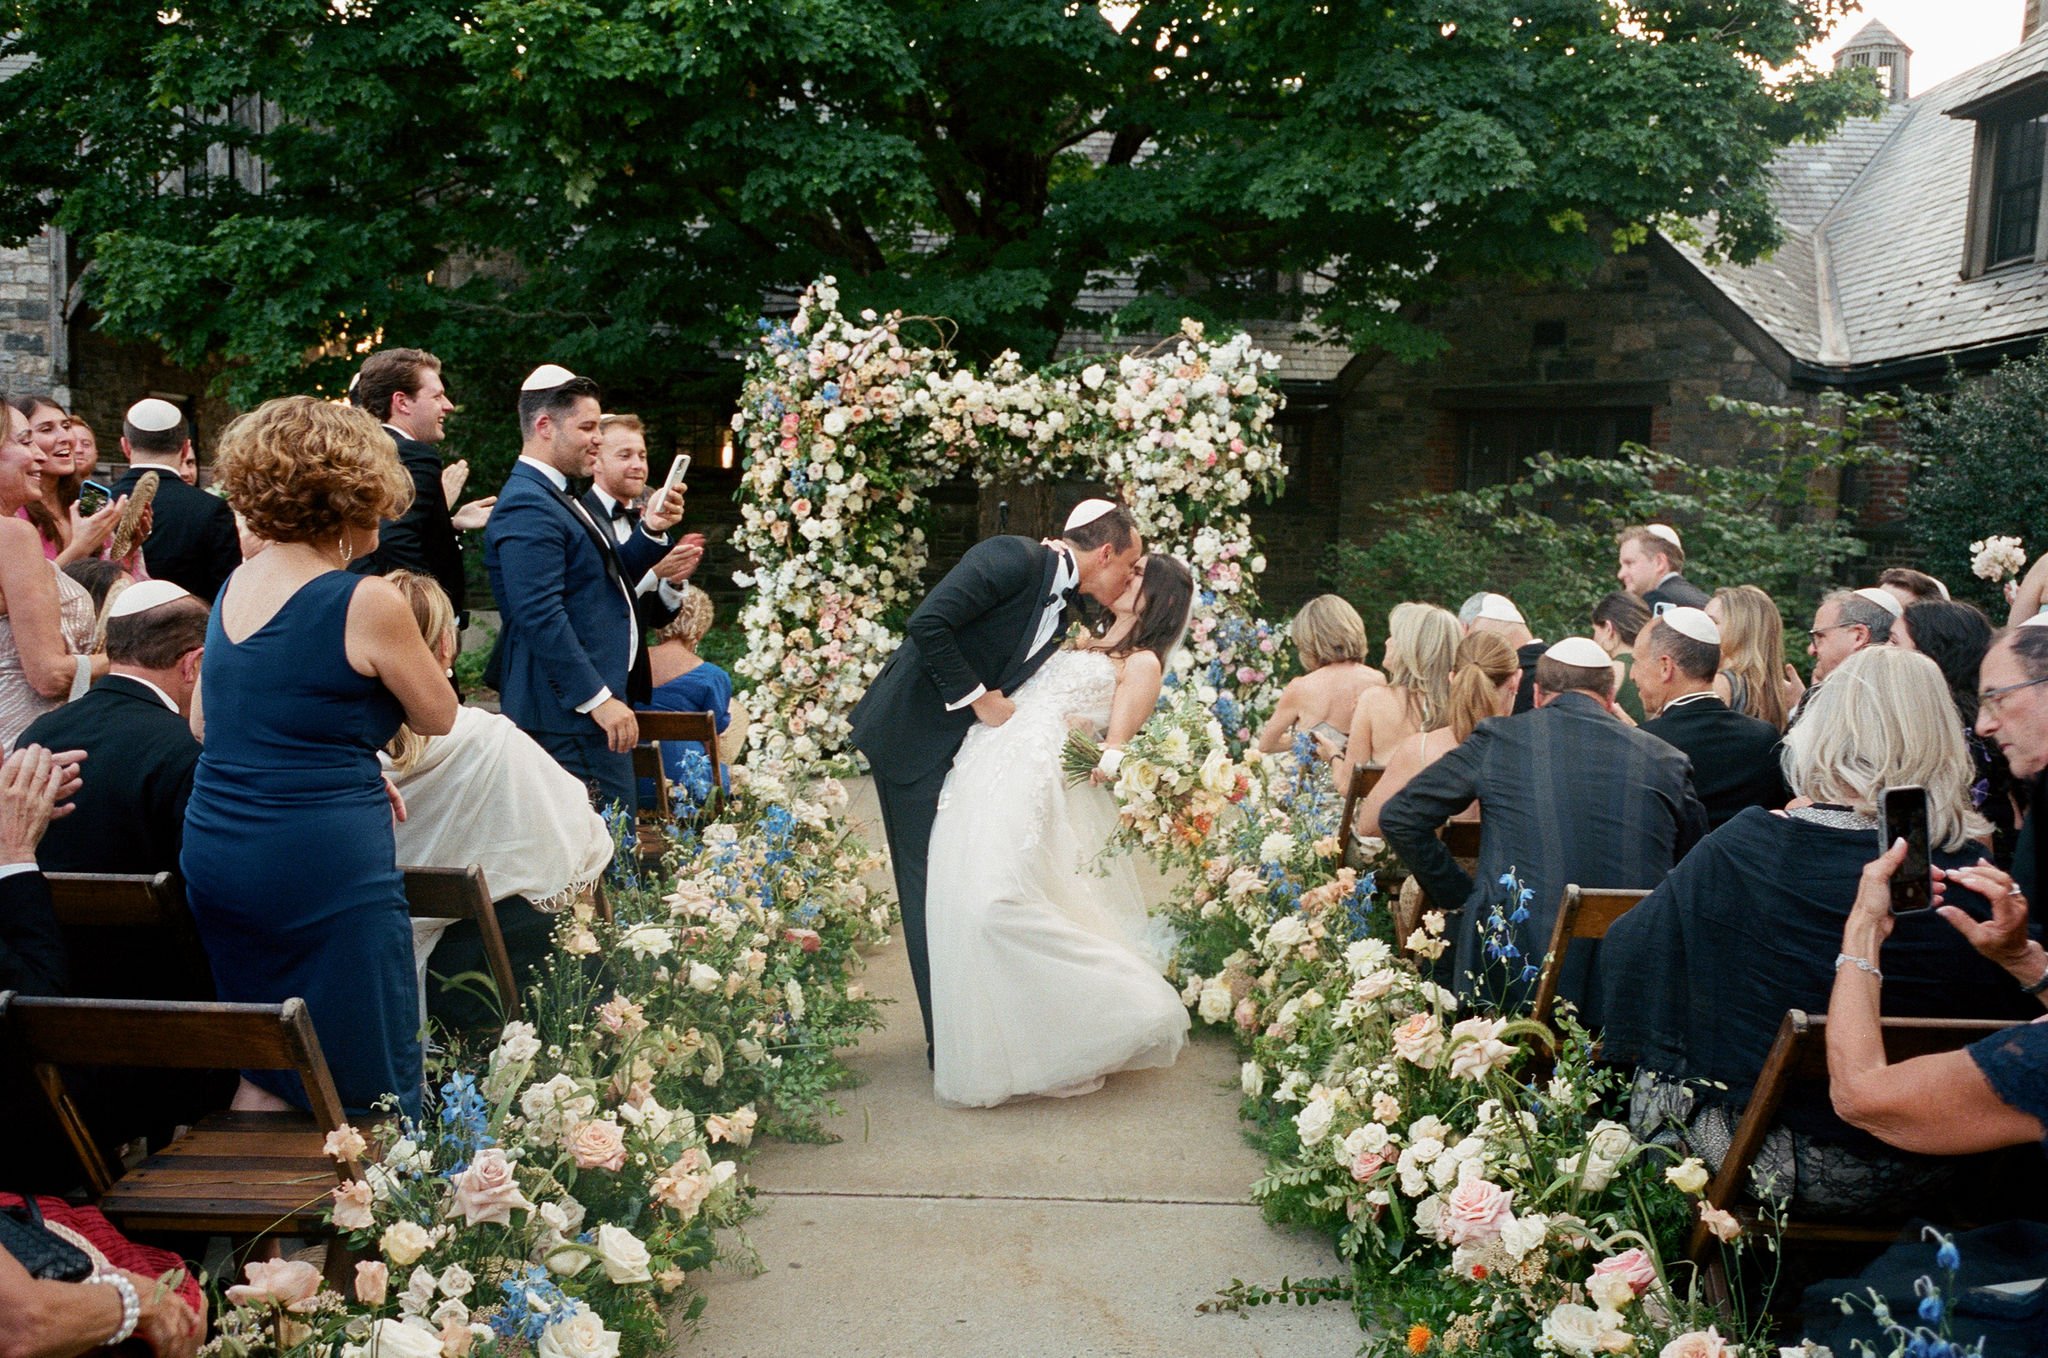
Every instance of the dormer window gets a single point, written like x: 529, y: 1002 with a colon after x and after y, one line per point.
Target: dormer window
x: 2010, y: 179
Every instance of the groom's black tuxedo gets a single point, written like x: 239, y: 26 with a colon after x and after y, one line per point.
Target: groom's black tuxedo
x: 974, y: 629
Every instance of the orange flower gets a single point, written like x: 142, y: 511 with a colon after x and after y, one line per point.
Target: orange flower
x: 1418, y: 1338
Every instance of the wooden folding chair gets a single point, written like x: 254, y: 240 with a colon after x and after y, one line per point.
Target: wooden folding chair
x: 239, y: 1174
x: 1582, y: 914
x: 94, y: 900
x: 655, y: 727
x: 462, y: 893
x: 1364, y: 778
x: 1461, y: 837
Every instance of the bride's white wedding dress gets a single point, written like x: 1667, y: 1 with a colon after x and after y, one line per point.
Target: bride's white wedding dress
x: 1042, y: 982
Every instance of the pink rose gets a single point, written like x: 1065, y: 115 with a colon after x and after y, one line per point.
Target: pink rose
x: 621, y: 1016
x: 1474, y: 1212
x: 456, y: 1338
x: 1705, y: 1343
x: 1366, y: 1165
x: 1723, y: 1224
x: 598, y: 1144
x: 1247, y: 1015
x: 288, y: 1283
x: 807, y: 939
x: 372, y: 1281
x: 487, y: 1191
x: 1632, y: 1265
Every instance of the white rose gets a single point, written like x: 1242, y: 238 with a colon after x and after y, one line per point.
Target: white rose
x: 1523, y: 1234
x: 1093, y: 376
x: 403, y: 1242
x: 1427, y: 1213
x: 399, y: 1339
x: 1289, y: 931
x: 624, y: 1257
x: 835, y: 422
x: 1313, y: 1121
x: 1215, y: 1004
x: 704, y: 979
x: 1251, y: 1077
x: 582, y: 1335
x: 1575, y: 1329
x: 648, y: 940
x: 517, y: 1043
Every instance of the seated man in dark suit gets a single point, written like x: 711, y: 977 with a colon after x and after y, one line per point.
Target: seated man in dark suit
x: 193, y: 543
x: 1567, y: 793
x: 1734, y: 756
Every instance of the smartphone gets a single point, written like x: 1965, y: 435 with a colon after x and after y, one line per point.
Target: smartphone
x: 1903, y: 812
x: 93, y: 497
x: 677, y: 470
x: 1328, y: 731
x: 1663, y: 606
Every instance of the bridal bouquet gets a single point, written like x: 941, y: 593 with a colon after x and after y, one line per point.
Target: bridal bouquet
x: 1996, y: 558
x: 1174, y: 781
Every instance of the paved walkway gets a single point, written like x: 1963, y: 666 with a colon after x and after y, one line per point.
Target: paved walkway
x: 1050, y: 1228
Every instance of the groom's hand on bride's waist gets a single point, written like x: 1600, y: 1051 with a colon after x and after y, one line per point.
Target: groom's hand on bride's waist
x: 993, y: 709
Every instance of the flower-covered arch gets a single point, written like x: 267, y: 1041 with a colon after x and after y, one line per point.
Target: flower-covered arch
x: 847, y: 422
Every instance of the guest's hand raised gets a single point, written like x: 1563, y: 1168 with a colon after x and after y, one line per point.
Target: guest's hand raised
x: 30, y: 781
x: 1793, y: 687
x: 2003, y: 937
x: 664, y: 511
x: 89, y: 532
x: 681, y: 561
x: 473, y: 515
x: 454, y: 477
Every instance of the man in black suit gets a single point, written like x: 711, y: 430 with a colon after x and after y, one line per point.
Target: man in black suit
x: 1734, y: 756
x: 403, y: 389
x: 618, y: 476
x: 1650, y: 561
x: 193, y: 542
x: 133, y: 726
x: 980, y: 633
x: 1567, y: 794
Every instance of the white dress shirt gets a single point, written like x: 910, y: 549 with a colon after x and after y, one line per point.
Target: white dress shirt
x: 650, y: 583
x: 561, y: 483
x: 1066, y: 574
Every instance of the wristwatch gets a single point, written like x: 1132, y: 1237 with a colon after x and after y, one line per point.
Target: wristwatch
x: 2038, y: 986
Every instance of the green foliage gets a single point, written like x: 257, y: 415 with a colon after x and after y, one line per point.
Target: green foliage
x: 1769, y: 518
x: 1982, y: 444
x: 270, y: 184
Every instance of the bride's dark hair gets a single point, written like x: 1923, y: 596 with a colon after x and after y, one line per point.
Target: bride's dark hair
x: 1165, y: 602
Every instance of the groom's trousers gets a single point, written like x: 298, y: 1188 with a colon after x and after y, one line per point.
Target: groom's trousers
x: 908, y: 810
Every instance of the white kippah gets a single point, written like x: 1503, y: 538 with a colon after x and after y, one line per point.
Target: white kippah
x: 1500, y: 608
x: 1088, y: 511
x: 144, y: 595
x: 1884, y: 599
x: 1695, y: 623
x: 153, y: 415
x: 1579, y: 652
x: 547, y: 377
x: 1666, y: 532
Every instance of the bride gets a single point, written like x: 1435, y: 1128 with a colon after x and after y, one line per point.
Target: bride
x: 1041, y: 982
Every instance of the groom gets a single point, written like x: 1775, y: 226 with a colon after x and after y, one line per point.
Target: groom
x: 975, y: 639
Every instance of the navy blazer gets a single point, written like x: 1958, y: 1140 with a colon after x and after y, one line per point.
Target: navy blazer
x: 565, y: 605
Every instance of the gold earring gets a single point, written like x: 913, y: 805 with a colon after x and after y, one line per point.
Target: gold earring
x: 348, y: 547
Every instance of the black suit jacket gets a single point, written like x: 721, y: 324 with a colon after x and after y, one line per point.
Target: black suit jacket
x: 1734, y: 756
x: 423, y: 539
x: 1567, y: 794
x: 1677, y: 591
x: 974, y: 628
x: 652, y: 612
x: 137, y: 779
x: 192, y: 543
x: 32, y: 958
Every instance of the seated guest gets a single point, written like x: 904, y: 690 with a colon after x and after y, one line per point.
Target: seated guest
x: 1991, y: 1094
x: 1734, y: 757
x: 486, y: 794
x: 97, y: 576
x: 1330, y: 638
x: 1651, y: 558
x: 686, y: 682
x: 1617, y: 619
x: 1755, y: 679
x: 33, y: 783
x: 1566, y: 793
x: 1955, y: 637
x: 1847, y: 621
x: 1496, y: 613
x: 125, y: 1302
x: 1693, y: 983
x: 1483, y: 683
x: 1910, y: 587
x: 1422, y: 639
x: 133, y: 726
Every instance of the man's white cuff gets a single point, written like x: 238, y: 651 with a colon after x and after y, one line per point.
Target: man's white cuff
x: 604, y: 695
x: 970, y: 700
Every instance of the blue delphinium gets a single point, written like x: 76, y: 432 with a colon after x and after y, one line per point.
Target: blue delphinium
x: 465, y: 1122
x: 1497, y: 931
x: 1920, y: 1341
x: 533, y: 1301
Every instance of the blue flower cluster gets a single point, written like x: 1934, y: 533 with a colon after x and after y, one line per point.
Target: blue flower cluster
x: 1498, y: 930
x: 533, y: 1301
x: 465, y: 1122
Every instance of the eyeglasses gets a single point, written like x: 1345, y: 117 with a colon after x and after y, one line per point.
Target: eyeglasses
x: 1992, y: 699
x: 1818, y: 632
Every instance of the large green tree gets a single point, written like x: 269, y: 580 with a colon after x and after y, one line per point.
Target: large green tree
x: 264, y: 185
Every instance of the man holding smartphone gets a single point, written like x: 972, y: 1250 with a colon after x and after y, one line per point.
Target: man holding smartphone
x: 618, y: 477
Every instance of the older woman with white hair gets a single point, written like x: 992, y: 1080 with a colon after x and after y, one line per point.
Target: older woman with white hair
x: 1694, y: 982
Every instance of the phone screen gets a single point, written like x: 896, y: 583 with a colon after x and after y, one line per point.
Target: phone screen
x: 93, y: 497
x: 1905, y: 817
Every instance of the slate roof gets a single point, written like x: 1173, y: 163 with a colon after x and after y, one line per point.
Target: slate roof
x: 1876, y: 220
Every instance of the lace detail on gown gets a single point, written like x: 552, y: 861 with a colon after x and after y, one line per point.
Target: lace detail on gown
x: 1041, y: 983
x: 20, y: 704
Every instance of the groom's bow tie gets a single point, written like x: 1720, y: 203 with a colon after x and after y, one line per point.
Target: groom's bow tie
x: 1067, y: 598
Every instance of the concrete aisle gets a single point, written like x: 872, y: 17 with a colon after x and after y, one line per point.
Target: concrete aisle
x: 1044, y: 1229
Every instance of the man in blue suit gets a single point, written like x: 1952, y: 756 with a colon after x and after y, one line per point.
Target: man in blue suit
x: 568, y: 650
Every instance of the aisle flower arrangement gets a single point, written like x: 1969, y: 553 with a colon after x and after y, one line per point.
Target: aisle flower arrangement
x: 846, y: 422
x: 561, y: 1185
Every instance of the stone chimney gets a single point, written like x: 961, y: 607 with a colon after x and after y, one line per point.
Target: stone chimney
x: 1879, y: 49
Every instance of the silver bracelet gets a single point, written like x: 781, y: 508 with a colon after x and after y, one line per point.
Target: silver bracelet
x: 1860, y: 963
x: 131, y: 1305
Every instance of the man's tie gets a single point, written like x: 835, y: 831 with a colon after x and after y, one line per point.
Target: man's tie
x: 621, y: 510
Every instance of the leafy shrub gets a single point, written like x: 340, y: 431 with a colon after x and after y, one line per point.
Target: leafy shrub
x: 1982, y: 445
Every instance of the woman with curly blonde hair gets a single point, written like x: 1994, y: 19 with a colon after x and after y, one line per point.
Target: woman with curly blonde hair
x: 289, y: 861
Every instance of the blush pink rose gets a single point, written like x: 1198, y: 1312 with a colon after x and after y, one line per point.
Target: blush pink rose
x: 1632, y: 1265
x: 598, y: 1144
x: 1474, y: 1213
x: 352, y: 1203
x: 1419, y: 1039
x: 291, y: 1284
x: 373, y: 1281
x: 1366, y: 1165
x: 487, y: 1191
x: 1706, y: 1343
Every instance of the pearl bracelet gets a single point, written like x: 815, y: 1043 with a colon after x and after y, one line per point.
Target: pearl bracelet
x: 1860, y: 963
x: 131, y: 1305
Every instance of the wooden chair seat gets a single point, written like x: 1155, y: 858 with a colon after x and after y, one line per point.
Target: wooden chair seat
x: 1584, y: 913
x: 236, y: 1173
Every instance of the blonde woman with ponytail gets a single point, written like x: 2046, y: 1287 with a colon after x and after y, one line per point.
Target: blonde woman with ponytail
x: 1484, y: 679
x: 1422, y: 643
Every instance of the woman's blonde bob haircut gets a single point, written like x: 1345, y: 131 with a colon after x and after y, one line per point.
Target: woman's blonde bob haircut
x: 1422, y: 649
x: 1328, y: 631
x: 435, y: 617
x: 302, y: 470
x: 1885, y: 719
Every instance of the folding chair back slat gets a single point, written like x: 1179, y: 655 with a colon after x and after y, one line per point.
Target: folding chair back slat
x: 91, y: 900
x: 1364, y: 778
x: 458, y: 894
x: 1584, y: 913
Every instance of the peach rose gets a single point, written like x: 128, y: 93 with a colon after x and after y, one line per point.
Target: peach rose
x: 736, y: 1127
x: 1705, y: 1343
x: 345, y: 1143
x: 290, y: 1284
x: 1419, y: 1039
x: 372, y: 1282
x: 487, y: 1191
x: 621, y: 1016
x: 1474, y: 1212
x: 1723, y: 1224
x: 598, y: 1144
x: 352, y: 1207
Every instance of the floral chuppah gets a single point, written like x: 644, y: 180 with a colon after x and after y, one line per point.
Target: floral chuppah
x: 847, y: 422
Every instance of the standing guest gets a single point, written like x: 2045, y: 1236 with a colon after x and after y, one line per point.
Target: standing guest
x: 686, y: 682
x: 1734, y: 757
x: 1910, y: 587
x: 192, y: 543
x: 1617, y: 619
x: 67, y: 535
x: 1422, y: 645
x: 1566, y: 794
x: 46, y: 617
x: 289, y: 862
x: 1484, y: 678
x: 1755, y: 679
x: 1847, y: 621
x: 1496, y: 613
x: 618, y: 476
x: 133, y: 725
x: 1956, y: 638
x: 564, y: 662
x: 404, y: 390
x: 85, y: 450
x: 1650, y: 560
x: 1330, y: 638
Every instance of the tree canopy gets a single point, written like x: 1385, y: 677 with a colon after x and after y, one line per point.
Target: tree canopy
x: 265, y: 185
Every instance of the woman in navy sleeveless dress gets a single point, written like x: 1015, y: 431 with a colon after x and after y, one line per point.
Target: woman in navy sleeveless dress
x: 289, y: 859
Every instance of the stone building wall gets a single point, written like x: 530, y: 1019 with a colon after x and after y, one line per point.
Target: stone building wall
x: 29, y: 349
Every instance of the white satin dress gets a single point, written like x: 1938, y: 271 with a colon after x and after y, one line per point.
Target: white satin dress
x: 1042, y: 978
